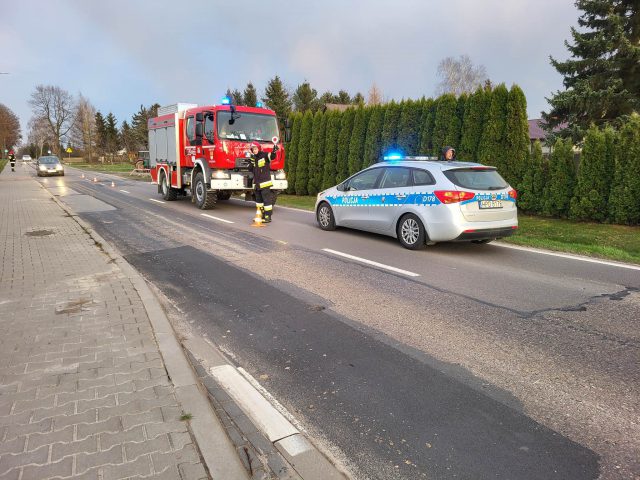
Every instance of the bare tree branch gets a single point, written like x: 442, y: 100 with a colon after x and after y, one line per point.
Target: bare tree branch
x: 57, y: 107
x: 460, y: 76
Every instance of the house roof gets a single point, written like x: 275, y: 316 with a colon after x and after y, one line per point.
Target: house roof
x: 535, y: 129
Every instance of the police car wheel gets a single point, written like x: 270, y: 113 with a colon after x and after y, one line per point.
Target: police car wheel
x: 325, y: 217
x: 411, y: 233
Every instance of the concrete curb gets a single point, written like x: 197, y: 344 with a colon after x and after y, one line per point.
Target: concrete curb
x: 216, y: 449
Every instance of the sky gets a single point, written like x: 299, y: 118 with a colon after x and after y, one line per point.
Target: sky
x: 123, y: 53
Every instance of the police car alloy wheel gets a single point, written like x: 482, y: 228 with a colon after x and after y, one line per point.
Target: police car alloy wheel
x: 411, y: 233
x: 325, y: 217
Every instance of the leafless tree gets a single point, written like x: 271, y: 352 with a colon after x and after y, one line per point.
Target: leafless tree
x: 57, y: 107
x: 375, y: 95
x: 460, y: 75
x: 40, y: 133
x: 83, y: 133
x: 9, y: 128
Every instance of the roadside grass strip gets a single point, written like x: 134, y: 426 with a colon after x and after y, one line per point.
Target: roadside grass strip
x: 216, y: 218
x: 371, y: 262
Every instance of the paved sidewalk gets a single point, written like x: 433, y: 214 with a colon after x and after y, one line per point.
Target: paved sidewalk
x: 83, y: 388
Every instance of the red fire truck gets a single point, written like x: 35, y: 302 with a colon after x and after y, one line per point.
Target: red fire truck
x: 202, y: 150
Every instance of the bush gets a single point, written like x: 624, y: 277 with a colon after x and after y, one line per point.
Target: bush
x: 562, y: 175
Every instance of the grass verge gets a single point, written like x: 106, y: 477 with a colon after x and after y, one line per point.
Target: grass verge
x: 104, y: 167
x: 2, y: 164
x: 612, y: 242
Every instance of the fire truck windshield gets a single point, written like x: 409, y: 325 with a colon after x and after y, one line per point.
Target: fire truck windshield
x: 247, y: 126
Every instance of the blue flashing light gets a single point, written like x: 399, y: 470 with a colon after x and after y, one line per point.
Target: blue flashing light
x: 259, y: 105
x: 393, y: 156
x: 226, y: 101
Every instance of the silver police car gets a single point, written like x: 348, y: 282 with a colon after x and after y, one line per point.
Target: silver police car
x: 422, y: 201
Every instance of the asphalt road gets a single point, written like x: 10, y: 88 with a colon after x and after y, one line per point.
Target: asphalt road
x: 459, y: 361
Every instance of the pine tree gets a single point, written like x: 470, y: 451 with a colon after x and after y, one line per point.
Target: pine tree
x: 126, y: 137
x: 428, y: 124
x: 139, y: 125
x: 277, y: 98
x: 237, y: 98
x: 562, y: 175
x: 409, y: 127
x: 373, y: 139
x: 623, y: 201
x: 304, y: 151
x: 390, y: 126
x: 112, y: 141
x: 291, y: 162
x: 602, y: 77
x: 329, y: 174
x: 346, y: 128
x: 316, y: 150
x: 530, y: 195
x: 444, y: 122
x: 343, y: 98
x: 475, y: 116
x: 492, y: 143
x: 356, y: 143
x: 594, y: 177
x: 517, y: 138
x: 305, y: 98
x: 358, y: 99
x: 250, y: 95
x: 101, y: 133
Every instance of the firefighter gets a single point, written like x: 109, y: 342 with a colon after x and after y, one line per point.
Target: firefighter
x: 12, y: 160
x: 260, y: 166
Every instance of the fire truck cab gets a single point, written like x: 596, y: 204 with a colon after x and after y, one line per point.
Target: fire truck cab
x: 202, y: 150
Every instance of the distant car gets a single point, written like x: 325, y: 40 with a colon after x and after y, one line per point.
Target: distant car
x: 420, y: 200
x: 49, y: 165
x: 26, y: 158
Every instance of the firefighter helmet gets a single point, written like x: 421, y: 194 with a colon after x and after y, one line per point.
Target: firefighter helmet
x: 256, y: 145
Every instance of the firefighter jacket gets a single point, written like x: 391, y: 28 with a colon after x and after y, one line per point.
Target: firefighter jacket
x: 260, y: 166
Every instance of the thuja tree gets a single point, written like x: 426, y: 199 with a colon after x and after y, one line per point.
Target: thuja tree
x: 334, y: 121
x: 316, y: 153
x: 516, y: 148
x: 595, y: 173
x: 531, y: 193
x: 356, y: 143
x: 373, y: 139
x: 561, y: 179
x: 428, y: 124
x: 408, y: 138
x: 491, y: 150
x: 292, y: 151
x: 344, y: 139
x: 444, y: 121
x: 390, y: 126
x: 475, y: 115
x: 304, y: 148
x: 624, y: 205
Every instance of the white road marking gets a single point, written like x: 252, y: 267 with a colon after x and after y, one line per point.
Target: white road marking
x: 124, y: 191
x: 216, y: 218
x: 569, y: 256
x: 157, y: 201
x: 371, y: 262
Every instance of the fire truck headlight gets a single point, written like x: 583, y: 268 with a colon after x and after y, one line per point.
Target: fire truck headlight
x: 280, y: 175
x: 221, y: 175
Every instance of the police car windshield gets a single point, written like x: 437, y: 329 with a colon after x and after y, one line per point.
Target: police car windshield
x: 247, y: 126
x: 476, y: 179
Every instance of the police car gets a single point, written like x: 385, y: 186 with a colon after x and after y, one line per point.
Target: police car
x: 422, y: 201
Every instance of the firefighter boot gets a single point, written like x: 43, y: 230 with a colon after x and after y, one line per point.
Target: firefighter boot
x: 267, y: 214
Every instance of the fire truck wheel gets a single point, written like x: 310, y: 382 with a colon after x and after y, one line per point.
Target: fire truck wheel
x: 204, y: 199
x: 168, y: 193
x: 222, y: 195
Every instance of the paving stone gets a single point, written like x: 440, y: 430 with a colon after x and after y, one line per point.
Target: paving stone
x: 42, y: 413
x: 155, y: 429
x: 36, y: 440
x: 13, y: 446
x: 8, y: 461
x: 113, y: 456
x: 139, y: 467
x: 61, y: 450
x: 159, y: 444
x: 135, y: 434
x: 163, y: 460
x: 112, y: 425
x: 63, y: 468
x: 189, y: 471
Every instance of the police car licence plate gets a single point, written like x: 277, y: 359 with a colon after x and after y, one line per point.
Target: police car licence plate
x: 490, y: 203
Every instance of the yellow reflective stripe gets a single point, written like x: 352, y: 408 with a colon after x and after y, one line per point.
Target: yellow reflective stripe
x: 261, y: 162
x: 268, y: 208
x: 266, y: 184
x: 259, y: 204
